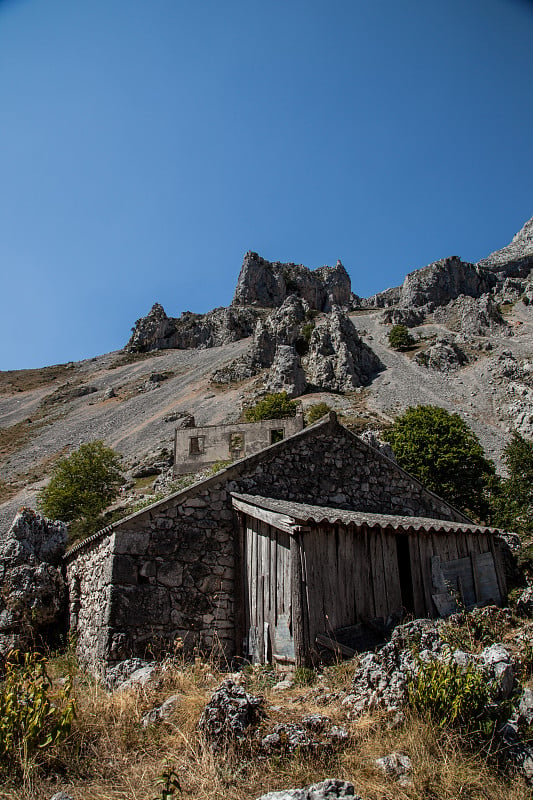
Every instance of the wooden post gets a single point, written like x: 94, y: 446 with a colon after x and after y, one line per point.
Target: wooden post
x: 299, y: 612
x: 239, y: 601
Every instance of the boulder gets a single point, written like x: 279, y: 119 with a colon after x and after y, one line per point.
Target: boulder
x: 330, y: 789
x: 443, y: 356
x: 397, y: 766
x: 160, y: 713
x: 229, y: 714
x: 130, y: 672
x: 33, y: 596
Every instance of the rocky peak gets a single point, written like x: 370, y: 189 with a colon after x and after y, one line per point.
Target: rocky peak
x: 267, y: 284
x: 157, y: 331
x: 516, y: 259
x: 442, y: 281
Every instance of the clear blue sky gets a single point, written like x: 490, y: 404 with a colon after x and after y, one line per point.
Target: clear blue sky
x: 145, y: 145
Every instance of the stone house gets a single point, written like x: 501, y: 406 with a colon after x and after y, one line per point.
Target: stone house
x: 186, y: 568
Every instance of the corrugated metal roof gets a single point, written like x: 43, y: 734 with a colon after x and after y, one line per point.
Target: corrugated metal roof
x: 303, y: 514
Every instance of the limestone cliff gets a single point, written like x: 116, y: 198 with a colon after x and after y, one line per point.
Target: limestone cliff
x: 221, y: 326
x: 516, y: 259
x: 267, y: 284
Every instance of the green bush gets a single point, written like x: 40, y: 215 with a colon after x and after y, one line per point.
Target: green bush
x: 33, y: 717
x: 82, y: 485
x: 316, y: 412
x: 441, y: 451
x: 451, y: 695
x: 273, y: 406
x: 400, y: 338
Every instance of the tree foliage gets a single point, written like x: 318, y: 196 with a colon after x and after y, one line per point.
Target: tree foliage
x: 514, y: 503
x: 400, y: 338
x: 273, y: 406
x: 441, y: 451
x: 83, y: 484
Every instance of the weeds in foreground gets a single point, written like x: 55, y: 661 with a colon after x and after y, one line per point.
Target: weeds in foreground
x: 451, y: 695
x: 33, y: 715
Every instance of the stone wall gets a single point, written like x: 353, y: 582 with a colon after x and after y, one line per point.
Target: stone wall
x: 174, y: 564
x: 89, y: 573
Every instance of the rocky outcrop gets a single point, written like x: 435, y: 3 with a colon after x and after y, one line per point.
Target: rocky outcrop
x: 330, y: 789
x: 410, y: 317
x: 229, y: 714
x: 267, y: 284
x: 442, y: 281
x: 298, y: 350
x: 338, y: 360
x: 516, y: 259
x: 33, y: 594
x: 472, y: 316
x: 157, y: 331
x: 286, y: 373
x: 444, y: 356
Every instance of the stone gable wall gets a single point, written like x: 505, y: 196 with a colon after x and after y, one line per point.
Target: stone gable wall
x: 89, y: 582
x: 174, y: 564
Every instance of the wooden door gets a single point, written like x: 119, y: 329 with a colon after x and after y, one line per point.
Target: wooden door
x: 267, y: 593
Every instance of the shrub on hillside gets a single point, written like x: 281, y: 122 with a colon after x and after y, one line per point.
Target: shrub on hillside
x: 400, y: 338
x: 273, y: 406
x: 316, y: 412
x: 83, y: 485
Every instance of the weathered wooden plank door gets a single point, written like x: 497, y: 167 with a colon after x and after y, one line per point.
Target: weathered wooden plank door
x: 267, y: 593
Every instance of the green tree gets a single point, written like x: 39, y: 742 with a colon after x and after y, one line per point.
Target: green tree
x: 441, y: 451
x: 273, y: 406
x: 400, y: 338
x: 83, y: 485
x: 514, y: 502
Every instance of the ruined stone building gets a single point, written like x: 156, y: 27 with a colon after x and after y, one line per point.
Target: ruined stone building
x: 198, y: 447
x: 310, y: 535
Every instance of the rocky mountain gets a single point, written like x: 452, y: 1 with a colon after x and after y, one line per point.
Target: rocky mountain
x: 290, y: 328
x: 267, y: 284
x: 516, y: 259
x: 156, y: 331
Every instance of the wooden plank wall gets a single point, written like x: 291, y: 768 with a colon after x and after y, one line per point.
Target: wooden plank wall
x: 267, y: 588
x: 351, y: 575
x: 347, y: 575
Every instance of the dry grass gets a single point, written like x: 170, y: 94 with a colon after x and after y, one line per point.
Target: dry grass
x: 24, y: 380
x: 109, y: 756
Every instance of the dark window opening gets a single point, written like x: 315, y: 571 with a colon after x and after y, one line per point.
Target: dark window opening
x: 196, y: 445
x: 406, y: 577
x: 276, y: 435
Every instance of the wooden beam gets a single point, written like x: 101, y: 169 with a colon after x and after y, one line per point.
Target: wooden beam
x: 279, y: 521
x: 332, y: 644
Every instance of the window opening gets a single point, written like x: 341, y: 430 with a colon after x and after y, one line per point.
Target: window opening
x: 276, y: 435
x: 196, y: 445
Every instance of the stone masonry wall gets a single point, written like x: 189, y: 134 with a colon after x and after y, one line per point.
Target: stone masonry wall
x: 173, y: 573
x: 335, y: 468
x: 89, y: 575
